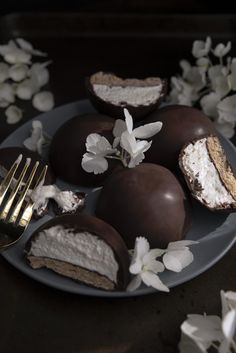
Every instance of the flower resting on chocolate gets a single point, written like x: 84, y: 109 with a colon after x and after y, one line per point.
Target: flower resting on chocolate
x: 145, y: 266
x: 128, y: 146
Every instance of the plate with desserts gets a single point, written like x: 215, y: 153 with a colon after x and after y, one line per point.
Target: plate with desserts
x: 122, y: 168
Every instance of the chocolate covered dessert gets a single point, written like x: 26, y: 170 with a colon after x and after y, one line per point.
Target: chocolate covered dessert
x: 181, y: 124
x: 83, y: 248
x: 69, y: 145
x: 145, y: 201
x: 8, y: 156
x: 208, y: 173
x: 110, y: 94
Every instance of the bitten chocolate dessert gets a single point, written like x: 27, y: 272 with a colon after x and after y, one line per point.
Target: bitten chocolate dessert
x: 181, y: 124
x: 145, y: 201
x: 69, y: 145
x: 8, y: 155
x: 110, y: 94
x: 83, y: 248
x: 208, y: 173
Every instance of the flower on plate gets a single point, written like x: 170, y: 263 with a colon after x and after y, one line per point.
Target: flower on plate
x: 38, y: 139
x: 208, y: 83
x: 98, y: 147
x: 145, y: 266
x: 128, y: 145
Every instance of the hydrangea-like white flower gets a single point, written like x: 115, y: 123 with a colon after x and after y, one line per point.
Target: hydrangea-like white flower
x: 221, y: 49
x: 98, y: 147
x: 145, y: 266
x: 201, y: 48
x: 178, y: 256
x: 38, y: 139
x: 209, y: 104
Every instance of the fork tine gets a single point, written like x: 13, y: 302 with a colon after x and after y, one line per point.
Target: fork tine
x: 8, y: 178
x: 12, y: 196
x: 18, y: 206
x: 28, y: 211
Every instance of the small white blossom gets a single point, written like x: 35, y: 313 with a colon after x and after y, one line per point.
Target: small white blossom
x: 13, y: 54
x: 221, y: 49
x: 178, y: 256
x: 43, y: 101
x: 227, y: 109
x: 38, y: 139
x: 13, y: 114
x: 209, y: 104
x: 145, y: 266
x: 26, y: 89
x: 18, y: 72
x: 201, y: 48
x: 182, y: 92
x: 39, y: 73
x: 98, y: 147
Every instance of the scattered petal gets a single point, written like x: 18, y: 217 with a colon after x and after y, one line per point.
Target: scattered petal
x: 13, y: 114
x: 151, y: 279
x: 18, y: 72
x: 43, y: 101
x: 177, y: 260
x: 148, y: 130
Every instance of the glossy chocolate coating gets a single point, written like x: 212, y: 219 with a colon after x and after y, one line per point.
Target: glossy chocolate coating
x: 68, y: 147
x: 95, y: 226
x: 117, y: 111
x: 145, y: 201
x: 8, y: 156
x: 181, y: 124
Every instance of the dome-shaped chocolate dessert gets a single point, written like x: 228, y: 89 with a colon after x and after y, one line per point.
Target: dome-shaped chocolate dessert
x: 181, y: 124
x: 8, y: 156
x: 81, y: 247
x: 110, y: 94
x: 68, y: 147
x: 145, y: 201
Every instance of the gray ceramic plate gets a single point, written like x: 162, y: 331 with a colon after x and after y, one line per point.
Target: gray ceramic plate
x: 214, y: 231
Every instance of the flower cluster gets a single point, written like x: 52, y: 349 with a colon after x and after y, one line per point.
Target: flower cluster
x: 22, y: 79
x: 128, y: 146
x: 203, y: 332
x: 210, y: 83
x: 145, y: 266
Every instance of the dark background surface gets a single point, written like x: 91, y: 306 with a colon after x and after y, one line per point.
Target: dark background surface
x: 36, y: 318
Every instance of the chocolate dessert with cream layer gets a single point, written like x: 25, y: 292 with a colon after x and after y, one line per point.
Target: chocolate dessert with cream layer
x: 145, y: 201
x: 208, y: 173
x: 83, y: 248
x: 110, y: 94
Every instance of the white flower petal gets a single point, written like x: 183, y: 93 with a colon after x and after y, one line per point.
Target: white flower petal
x: 128, y: 143
x: 187, y: 345
x: 128, y: 121
x: 119, y: 128
x: 141, y: 247
x: 25, y: 45
x: 18, y: 72
x: 221, y: 50
x: 13, y: 114
x: 177, y: 260
x: 229, y: 325
x: 153, y: 266
x: 98, y: 145
x: 201, y: 48
x: 136, y: 266
x: 43, y: 101
x: 40, y: 74
x: 7, y: 93
x: 17, y: 56
x: 37, y: 140
x: 134, y: 161
x: 180, y: 244
x: 4, y: 72
x: 228, y: 301
x: 94, y: 164
x: 134, y: 284
x: 25, y: 89
x: 148, y: 130
x: 151, y: 279
x: 209, y: 103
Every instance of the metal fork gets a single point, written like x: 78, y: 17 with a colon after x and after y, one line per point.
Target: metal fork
x: 15, y: 210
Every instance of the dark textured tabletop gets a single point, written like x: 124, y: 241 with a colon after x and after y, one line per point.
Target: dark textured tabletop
x: 36, y: 318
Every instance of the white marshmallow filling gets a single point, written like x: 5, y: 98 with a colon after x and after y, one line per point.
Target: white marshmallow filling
x: 81, y: 249
x: 199, y: 167
x: 131, y: 95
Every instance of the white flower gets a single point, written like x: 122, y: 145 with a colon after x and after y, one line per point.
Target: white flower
x: 7, y: 95
x: 98, y: 147
x: 228, y: 301
x: 18, y: 72
x: 201, y: 48
x: 4, y: 72
x: 127, y: 137
x: 26, y: 89
x: 193, y: 75
x: 43, y: 101
x: 203, y: 330
x: 209, y: 102
x: 145, y: 266
x: 38, y: 139
x: 182, y: 92
x: 227, y: 109
x: 13, y: 114
x: 178, y: 256
x: 221, y: 50
x: 13, y: 54
x: 39, y: 73
x: 218, y: 76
